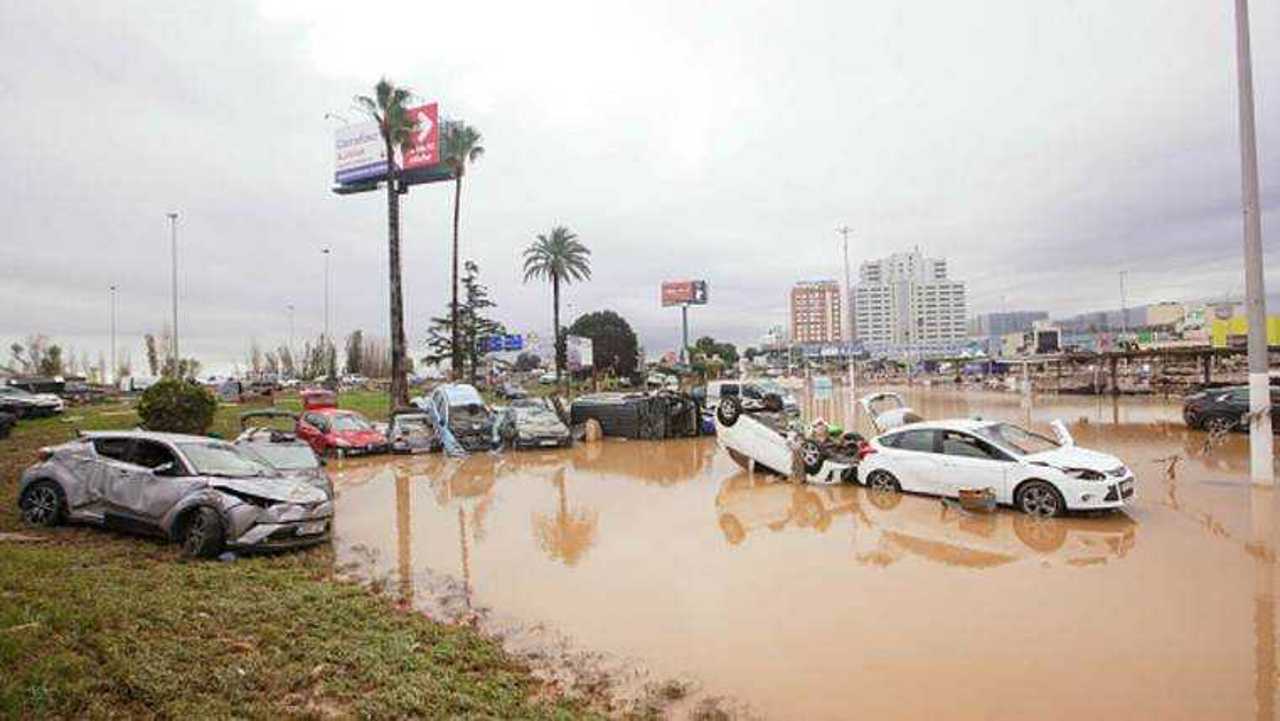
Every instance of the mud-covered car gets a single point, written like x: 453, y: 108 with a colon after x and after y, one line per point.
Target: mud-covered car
x: 412, y: 431
x: 536, y: 425
x: 281, y: 448
x: 333, y: 431
x: 201, y: 492
x: 461, y: 411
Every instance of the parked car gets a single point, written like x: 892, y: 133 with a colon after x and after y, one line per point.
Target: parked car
x: 536, y: 425
x: 511, y: 391
x: 281, y: 448
x: 29, y: 405
x: 1224, y: 409
x: 1038, y: 475
x: 412, y: 431
x: 7, y: 422
x: 204, y: 493
x: 332, y: 431
x: 767, y: 439
x: 459, y: 408
x: 547, y: 378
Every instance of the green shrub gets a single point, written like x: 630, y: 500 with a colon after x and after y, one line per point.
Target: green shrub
x: 177, y: 406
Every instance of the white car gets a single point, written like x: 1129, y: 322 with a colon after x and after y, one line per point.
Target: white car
x: 752, y: 393
x: 1035, y: 474
x: 750, y: 438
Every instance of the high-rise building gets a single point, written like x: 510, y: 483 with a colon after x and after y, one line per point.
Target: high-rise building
x: 816, y: 312
x: 907, y: 299
x: 1000, y: 323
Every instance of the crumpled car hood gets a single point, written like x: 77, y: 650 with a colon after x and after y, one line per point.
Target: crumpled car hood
x: 284, y: 490
x: 1076, y: 457
x: 539, y: 423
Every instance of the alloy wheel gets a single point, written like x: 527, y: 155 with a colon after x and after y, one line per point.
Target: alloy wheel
x: 40, y: 506
x: 1039, y: 500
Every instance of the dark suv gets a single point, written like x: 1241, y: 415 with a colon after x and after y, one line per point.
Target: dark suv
x: 1225, y: 409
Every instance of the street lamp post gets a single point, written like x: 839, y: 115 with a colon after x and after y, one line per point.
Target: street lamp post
x: 173, y: 240
x: 1124, y: 306
x: 1261, y: 470
x: 326, y: 340
x: 844, y: 232
x: 290, y: 308
x: 115, y: 379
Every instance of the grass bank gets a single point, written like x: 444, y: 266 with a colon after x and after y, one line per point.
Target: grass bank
x: 95, y: 624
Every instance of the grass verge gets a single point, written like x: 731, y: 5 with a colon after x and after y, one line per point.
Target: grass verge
x: 95, y: 624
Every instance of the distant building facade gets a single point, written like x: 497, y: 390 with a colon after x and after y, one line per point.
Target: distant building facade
x: 817, y: 315
x: 997, y: 324
x: 908, y: 301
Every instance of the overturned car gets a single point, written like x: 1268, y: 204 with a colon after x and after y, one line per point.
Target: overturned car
x: 204, y: 493
x: 767, y: 439
x: 460, y: 412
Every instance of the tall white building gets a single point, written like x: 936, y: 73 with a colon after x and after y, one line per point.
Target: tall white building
x: 906, y: 299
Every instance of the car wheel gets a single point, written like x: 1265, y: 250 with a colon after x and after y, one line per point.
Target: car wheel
x: 883, y: 481
x: 203, y: 535
x: 1218, y: 424
x: 728, y: 411
x: 811, y: 456
x: 1040, y: 498
x: 43, y: 504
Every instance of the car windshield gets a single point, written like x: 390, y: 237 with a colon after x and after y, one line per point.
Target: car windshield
x: 348, y: 422
x: 284, y: 456
x: 1017, y: 439
x: 220, y: 459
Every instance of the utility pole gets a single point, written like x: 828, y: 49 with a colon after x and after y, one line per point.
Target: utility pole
x: 326, y: 298
x: 290, y: 308
x: 1124, y: 307
x: 173, y: 240
x: 844, y: 232
x: 1261, y: 443
x: 115, y: 379
x: 684, y: 332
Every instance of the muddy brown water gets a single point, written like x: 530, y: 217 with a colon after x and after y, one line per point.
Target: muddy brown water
x: 824, y: 603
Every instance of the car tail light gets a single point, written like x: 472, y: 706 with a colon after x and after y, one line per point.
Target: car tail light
x: 865, y: 449
x: 44, y: 454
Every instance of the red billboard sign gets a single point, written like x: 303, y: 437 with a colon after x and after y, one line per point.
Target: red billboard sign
x: 684, y: 292
x: 425, y: 148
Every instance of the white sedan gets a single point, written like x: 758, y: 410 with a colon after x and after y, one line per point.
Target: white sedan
x: 1035, y: 474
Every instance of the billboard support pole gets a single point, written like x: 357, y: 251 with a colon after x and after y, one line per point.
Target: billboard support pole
x: 1261, y: 470
x: 684, y: 332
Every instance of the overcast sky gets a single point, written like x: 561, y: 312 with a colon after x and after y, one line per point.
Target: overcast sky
x: 1040, y: 146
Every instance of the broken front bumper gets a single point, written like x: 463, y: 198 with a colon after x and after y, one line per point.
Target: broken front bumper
x: 283, y: 525
x: 1087, y: 495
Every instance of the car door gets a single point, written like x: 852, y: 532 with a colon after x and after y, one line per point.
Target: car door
x: 914, y: 460
x: 155, y: 480
x: 311, y: 428
x: 971, y: 462
x: 110, y: 454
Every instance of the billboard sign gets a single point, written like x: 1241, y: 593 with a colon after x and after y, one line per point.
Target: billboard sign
x: 684, y: 292
x: 360, y: 154
x: 425, y: 148
x: 580, y: 352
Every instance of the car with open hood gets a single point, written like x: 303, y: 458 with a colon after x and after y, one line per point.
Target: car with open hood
x: 536, y: 425
x: 1039, y: 475
x: 204, y: 493
x: 281, y: 448
x: 331, y: 431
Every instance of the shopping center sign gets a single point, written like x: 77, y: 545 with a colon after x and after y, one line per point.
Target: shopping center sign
x: 361, y: 157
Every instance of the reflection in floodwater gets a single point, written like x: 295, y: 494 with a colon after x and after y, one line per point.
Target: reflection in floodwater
x: 668, y: 552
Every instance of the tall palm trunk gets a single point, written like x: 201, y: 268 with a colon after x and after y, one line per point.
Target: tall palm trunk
x: 457, y: 335
x: 399, y: 389
x: 555, y: 315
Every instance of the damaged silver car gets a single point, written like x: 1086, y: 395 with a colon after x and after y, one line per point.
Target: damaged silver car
x: 204, y: 493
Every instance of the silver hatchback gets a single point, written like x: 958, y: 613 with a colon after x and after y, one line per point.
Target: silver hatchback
x: 201, y: 492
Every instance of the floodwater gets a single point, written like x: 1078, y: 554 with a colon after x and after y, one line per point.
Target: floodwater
x: 810, y: 602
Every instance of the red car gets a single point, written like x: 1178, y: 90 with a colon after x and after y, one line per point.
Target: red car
x: 331, y: 431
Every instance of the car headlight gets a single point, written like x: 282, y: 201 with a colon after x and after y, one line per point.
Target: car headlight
x: 1084, y: 474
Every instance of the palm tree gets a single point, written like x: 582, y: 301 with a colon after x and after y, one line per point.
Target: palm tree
x: 559, y: 258
x: 461, y: 145
x: 388, y: 109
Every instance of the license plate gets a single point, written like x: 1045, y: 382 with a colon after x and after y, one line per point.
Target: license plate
x: 311, y: 529
x: 549, y: 443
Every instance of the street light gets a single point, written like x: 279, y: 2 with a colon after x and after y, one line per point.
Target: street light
x: 844, y: 232
x: 290, y: 308
x: 173, y: 238
x: 1261, y: 470
x: 115, y: 380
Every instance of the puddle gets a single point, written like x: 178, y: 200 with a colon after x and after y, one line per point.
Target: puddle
x: 618, y: 567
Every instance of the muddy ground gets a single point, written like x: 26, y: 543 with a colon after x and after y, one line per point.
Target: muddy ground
x: 660, y: 578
